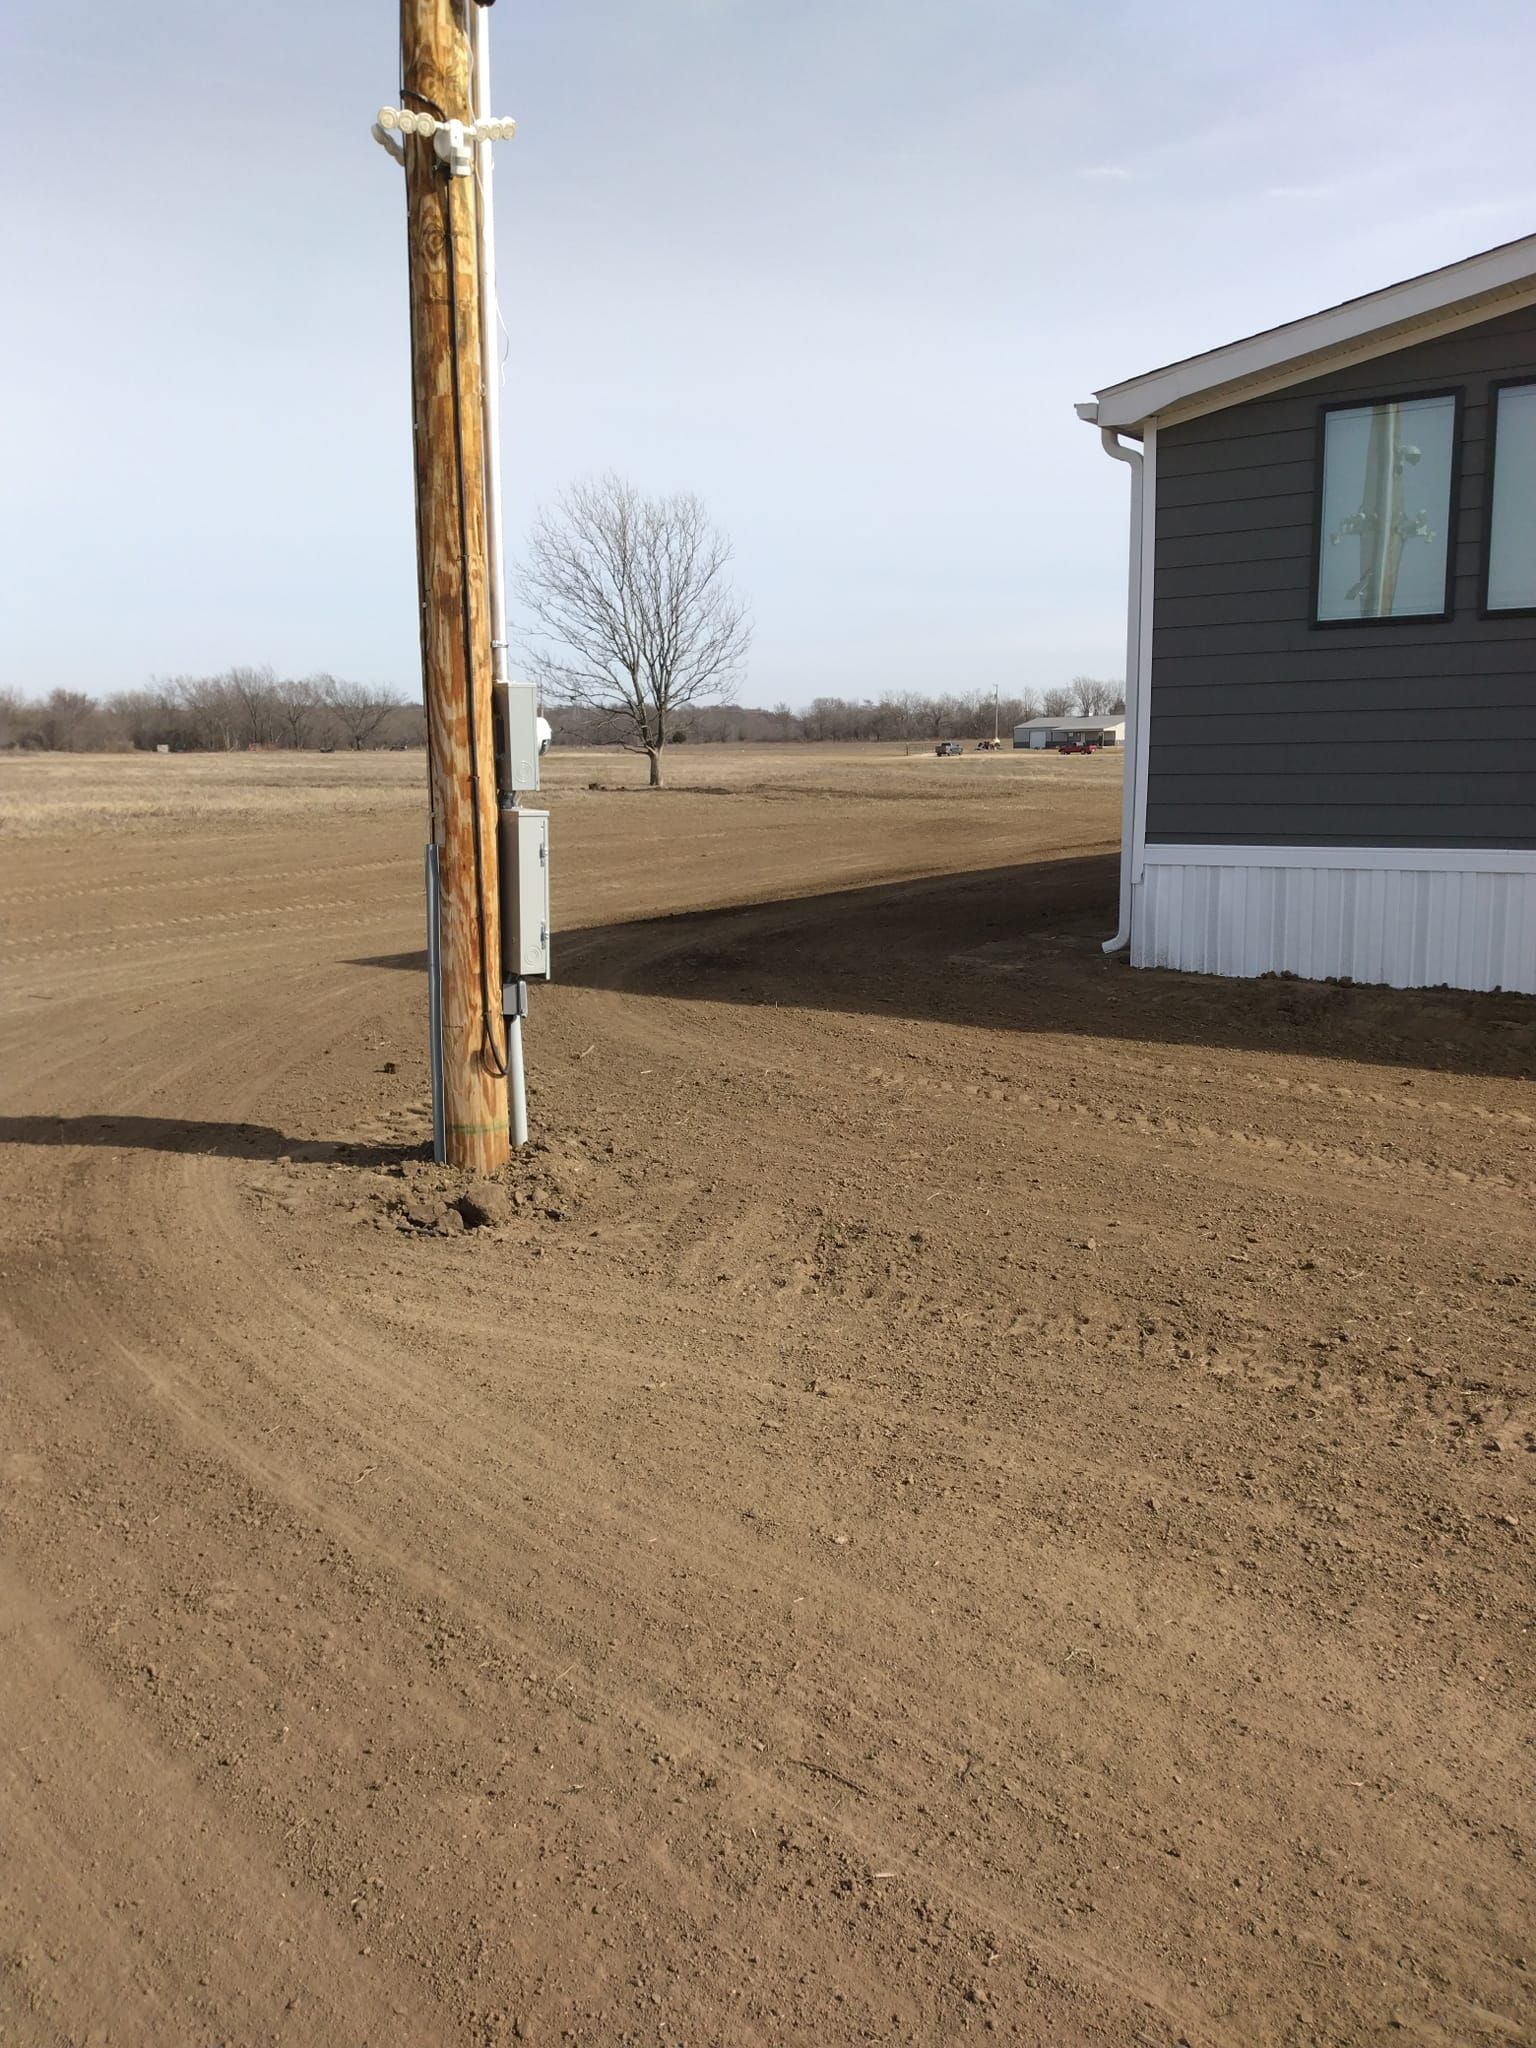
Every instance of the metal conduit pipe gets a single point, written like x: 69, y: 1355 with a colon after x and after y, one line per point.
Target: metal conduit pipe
x: 490, y: 404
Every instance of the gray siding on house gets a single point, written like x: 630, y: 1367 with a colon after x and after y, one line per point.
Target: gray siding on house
x: 1265, y: 729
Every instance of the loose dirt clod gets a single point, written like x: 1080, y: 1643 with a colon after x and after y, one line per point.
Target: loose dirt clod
x: 483, y: 1202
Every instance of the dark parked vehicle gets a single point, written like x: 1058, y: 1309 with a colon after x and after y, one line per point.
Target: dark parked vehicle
x: 949, y: 747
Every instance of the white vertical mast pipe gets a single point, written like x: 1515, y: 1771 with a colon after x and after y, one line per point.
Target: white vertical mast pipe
x: 517, y: 1086
x: 490, y: 409
x: 490, y: 344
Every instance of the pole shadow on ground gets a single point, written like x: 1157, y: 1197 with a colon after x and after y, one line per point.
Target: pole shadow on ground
x: 1020, y: 949
x: 208, y: 1139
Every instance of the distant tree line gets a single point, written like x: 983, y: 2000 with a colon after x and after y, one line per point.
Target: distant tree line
x: 908, y: 715
x: 253, y: 707
x: 243, y: 707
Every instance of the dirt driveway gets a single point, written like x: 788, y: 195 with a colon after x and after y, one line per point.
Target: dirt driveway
x: 960, y: 1491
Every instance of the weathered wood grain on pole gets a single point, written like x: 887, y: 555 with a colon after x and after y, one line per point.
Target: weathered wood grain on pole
x: 450, y: 545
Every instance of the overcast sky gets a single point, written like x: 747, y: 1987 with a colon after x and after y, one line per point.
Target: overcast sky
x: 842, y: 267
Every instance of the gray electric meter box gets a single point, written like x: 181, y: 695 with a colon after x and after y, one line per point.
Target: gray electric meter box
x: 524, y: 894
x: 515, y: 709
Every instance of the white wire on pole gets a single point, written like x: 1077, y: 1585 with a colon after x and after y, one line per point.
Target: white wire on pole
x: 490, y: 349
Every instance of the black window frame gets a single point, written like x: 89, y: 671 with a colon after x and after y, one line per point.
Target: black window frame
x: 1455, y: 392
x: 1527, y: 382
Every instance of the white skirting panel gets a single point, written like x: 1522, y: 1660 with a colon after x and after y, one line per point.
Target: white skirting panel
x: 1409, y: 927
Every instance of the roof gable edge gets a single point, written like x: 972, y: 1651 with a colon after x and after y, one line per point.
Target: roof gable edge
x: 1463, y: 294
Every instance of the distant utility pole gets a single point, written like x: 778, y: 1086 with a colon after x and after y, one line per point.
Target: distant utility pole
x: 451, y: 568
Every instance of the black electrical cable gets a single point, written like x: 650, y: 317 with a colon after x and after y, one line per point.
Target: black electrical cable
x: 418, y: 445
x: 495, y: 1058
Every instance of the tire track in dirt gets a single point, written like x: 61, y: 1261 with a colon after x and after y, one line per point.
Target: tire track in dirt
x: 93, y: 942
x: 1293, y: 1089
x: 1394, y: 1170
x: 91, y: 1335
x: 647, y: 954
x: 415, y: 1499
x: 607, y: 1576
x: 200, y: 879
x: 87, y: 1789
x: 654, y: 1720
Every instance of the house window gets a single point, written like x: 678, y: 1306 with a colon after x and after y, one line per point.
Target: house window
x: 1384, y: 534
x: 1512, y: 508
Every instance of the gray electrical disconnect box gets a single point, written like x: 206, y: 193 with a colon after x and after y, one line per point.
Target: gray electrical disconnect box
x: 524, y: 895
x: 515, y: 708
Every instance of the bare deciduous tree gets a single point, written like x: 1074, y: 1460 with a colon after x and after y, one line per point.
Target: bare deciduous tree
x: 357, y: 709
x: 297, y: 702
x: 62, y: 718
x: 1058, y: 703
x: 1092, y: 697
x: 14, y: 718
x: 632, y: 615
x: 254, y: 691
x: 210, y: 711
x: 145, y: 718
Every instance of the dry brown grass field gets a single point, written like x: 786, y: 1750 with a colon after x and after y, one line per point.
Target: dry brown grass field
x: 958, y: 1490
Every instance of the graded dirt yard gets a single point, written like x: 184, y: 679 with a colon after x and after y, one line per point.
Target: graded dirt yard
x: 960, y: 1492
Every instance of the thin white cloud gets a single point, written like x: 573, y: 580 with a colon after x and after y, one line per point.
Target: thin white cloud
x: 1517, y: 205
x: 1117, y: 172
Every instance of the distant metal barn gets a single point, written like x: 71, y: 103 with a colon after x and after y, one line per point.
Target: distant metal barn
x: 1050, y: 732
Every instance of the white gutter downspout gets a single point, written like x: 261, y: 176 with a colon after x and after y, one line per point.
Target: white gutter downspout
x: 490, y: 408
x: 1114, y: 446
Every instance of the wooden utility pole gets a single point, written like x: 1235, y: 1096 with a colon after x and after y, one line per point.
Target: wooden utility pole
x: 451, y: 567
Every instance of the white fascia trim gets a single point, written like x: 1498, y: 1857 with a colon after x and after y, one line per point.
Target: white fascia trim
x: 1383, y: 344
x: 1460, y: 295
x: 1442, y: 860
